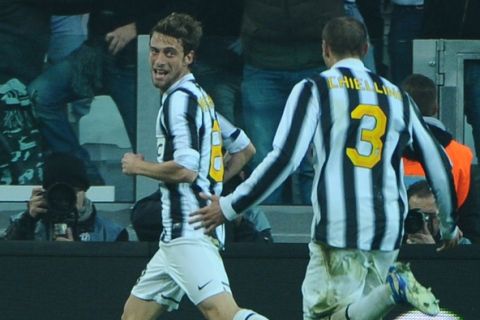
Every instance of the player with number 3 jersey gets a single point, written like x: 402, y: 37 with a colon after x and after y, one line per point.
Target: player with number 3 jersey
x: 360, y: 124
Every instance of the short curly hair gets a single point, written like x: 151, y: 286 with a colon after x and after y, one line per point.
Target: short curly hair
x: 182, y: 27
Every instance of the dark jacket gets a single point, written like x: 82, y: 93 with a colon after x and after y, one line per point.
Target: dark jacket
x: 95, y: 228
x: 448, y: 19
x: 286, y: 34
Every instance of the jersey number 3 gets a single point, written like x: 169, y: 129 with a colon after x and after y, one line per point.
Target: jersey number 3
x: 372, y: 136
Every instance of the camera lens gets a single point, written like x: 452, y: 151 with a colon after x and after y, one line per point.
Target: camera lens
x: 61, y: 201
x: 414, y: 221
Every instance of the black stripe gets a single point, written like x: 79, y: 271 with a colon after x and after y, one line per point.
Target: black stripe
x: 351, y: 233
x: 170, y: 298
x: 168, y: 153
x: 326, y: 124
x: 285, y: 155
x: 377, y: 173
x: 396, y: 162
x: 191, y: 115
x: 175, y: 210
x: 235, y: 134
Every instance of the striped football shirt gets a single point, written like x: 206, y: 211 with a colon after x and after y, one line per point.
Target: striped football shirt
x: 360, y: 125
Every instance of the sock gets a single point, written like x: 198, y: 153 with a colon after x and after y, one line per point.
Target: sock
x: 245, y: 314
x: 375, y: 305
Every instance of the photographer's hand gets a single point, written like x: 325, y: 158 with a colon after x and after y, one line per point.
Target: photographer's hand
x: 421, y: 237
x: 68, y: 236
x: 37, y: 204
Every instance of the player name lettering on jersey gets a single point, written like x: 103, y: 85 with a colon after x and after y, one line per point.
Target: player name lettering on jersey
x: 362, y: 84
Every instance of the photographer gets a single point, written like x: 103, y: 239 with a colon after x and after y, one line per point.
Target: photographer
x: 422, y: 225
x: 60, y: 210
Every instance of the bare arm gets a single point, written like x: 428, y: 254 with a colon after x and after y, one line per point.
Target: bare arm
x: 170, y: 171
x: 236, y: 161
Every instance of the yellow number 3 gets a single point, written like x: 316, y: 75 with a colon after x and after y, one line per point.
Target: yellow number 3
x: 373, y: 136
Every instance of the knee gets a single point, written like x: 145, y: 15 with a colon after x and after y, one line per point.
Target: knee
x: 221, y: 307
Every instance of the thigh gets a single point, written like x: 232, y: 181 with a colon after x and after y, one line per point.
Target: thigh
x: 155, y: 284
x: 219, y: 307
x: 136, y: 308
x: 197, y: 268
x: 378, y: 264
x: 334, y: 278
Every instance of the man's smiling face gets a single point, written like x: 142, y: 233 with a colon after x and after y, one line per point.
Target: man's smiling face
x: 168, y: 60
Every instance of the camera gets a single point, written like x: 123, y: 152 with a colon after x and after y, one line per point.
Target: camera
x: 61, y: 200
x: 414, y: 221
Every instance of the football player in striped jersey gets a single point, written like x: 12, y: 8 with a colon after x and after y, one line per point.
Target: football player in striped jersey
x: 189, y: 160
x: 360, y: 125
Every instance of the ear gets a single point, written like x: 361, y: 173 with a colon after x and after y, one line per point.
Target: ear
x: 188, y: 58
x: 365, y: 49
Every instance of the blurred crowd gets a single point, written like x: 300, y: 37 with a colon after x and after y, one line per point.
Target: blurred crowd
x: 252, y: 54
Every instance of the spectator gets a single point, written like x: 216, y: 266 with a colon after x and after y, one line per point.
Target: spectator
x: 67, y: 33
x: 218, y: 68
x: 360, y: 124
x: 281, y: 42
x: 406, y: 24
x: 422, y: 225
x: 424, y: 92
x: 372, y: 12
x: 352, y: 10
x: 60, y: 209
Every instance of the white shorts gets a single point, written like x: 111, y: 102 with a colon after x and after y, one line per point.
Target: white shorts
x: 183, y: 266
x: 337, y: 277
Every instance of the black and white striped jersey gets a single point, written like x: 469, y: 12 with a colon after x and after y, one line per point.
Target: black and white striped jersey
x: 188, y: 132
x: 360, y: 125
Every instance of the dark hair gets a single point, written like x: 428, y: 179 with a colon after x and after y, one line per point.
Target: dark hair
x: 423, y: 91
x: 182, y: 27
x: 345, y: 36
x: 419, y: 189
x: 65, y: 168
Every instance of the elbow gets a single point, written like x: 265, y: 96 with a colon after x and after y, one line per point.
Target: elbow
x: 250, y: 152
x: 188, y: 176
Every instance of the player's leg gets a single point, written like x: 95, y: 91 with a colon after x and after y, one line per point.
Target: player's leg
x: 401, y: 287
x: 137, y: 309
x: 200, y: 272
x: 334, y: 278
x: 155, y: 291
x: 223, y: 307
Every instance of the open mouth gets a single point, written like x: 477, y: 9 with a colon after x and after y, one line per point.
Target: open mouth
x: 160, y: 73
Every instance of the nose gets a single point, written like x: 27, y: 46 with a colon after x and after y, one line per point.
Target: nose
x: 158, y: 59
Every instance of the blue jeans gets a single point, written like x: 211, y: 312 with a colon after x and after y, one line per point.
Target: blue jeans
x: 52, y: 90
x: 264, y: 94
x: 472, y: 100
x: 351, y: 10
x: 218, y: 71
x: 406, y: 24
